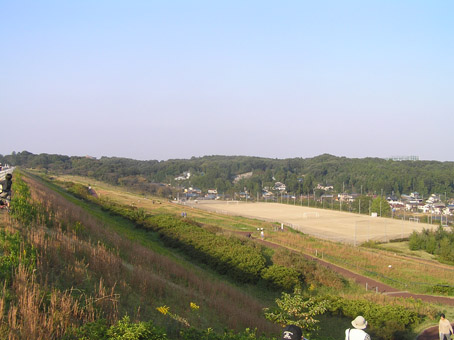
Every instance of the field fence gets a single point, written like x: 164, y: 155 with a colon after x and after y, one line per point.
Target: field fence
x: 368, y: 229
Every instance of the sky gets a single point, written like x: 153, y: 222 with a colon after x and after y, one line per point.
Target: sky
x: 158, y: 80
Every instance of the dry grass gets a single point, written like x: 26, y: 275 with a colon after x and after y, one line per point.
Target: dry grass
x: 406, y: 270
x: 123, y: 276
x: 403, y: 268
x: 42, y: 312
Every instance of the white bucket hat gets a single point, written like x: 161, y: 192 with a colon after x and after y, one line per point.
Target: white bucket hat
x: 359, y: 322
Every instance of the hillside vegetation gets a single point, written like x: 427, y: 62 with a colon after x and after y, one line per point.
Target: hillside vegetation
x: 368, y: 175
x: 96, y: 257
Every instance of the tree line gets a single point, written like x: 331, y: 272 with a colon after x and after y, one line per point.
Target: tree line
x: 300, y: 175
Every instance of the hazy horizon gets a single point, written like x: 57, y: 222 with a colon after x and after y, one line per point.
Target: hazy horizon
x: 151, y: 80
x: 220, y: 155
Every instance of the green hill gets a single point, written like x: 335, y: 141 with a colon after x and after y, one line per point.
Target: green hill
x: 301, y: 176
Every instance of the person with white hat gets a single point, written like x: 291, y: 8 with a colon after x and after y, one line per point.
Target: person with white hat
x: 357, y: 333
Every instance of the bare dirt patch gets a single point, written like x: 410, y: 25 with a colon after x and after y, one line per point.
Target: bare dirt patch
x: 322, y: 223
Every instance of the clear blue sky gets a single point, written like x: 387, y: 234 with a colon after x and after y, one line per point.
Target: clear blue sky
x: 176, y: 79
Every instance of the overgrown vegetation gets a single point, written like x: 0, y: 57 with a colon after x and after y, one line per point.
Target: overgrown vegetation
x: 101, y: 275
x: 242, y: 260
x: 75, y: 278
x: 438, y: 242
x: 386, y: 266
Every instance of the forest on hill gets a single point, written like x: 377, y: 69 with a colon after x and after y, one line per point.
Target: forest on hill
x: 300, y: 176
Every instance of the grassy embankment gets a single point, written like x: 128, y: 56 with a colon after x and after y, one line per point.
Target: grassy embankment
x: 123, y: 270
x: 238, y: 223
x: 411, y: 273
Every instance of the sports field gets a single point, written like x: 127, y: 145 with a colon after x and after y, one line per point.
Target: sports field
x: 322, y: 223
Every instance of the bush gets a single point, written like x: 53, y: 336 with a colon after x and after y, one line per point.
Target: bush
x: 281, y: 277
x: 385, y: 322
x: 126, y: 330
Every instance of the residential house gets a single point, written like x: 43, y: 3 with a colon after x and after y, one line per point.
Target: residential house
x: 186, y: 175
x: 280, y: 187
x: 325, y: 188
x: 345, y: 197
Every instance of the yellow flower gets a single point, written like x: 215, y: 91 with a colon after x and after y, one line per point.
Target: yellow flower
x: 194, y: 306
x: 163, y: 309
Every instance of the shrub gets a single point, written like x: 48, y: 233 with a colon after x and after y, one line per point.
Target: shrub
x: 384, y: 321
x: 126, y: 330
x: 281, y: 277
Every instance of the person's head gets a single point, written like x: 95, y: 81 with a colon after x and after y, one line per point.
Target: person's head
x: 8, y: 177
x: 292, y: 332
x: 442, y: 316
x: 359, y: 322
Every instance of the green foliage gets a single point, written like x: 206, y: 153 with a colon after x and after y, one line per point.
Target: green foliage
x: 297, y: 309
x: 14, y: 251
x: 308, y: 271
x: 371, y: 174
x: 381, y: 207
x: 439, y: 242
x: 385, y: 322
x: 126, y: 330
x: 443, y: 289
x: 208, y: 334
x: 22, y: 208
x: 90, y: 331
x: 240, y: 259
x: 362, y: 204
x: 78, y: 190
x: 281, y: 277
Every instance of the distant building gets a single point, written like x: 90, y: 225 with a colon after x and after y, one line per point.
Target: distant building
x: 186, y: 175
x: 325, y: 187
x: 280, y: 186
x: 403, y: 158
x: 344, y: 197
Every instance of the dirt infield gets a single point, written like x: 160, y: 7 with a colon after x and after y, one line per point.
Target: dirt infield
x: 322, y: 223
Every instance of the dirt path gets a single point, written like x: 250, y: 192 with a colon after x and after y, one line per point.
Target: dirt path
x: 362, y: 280
x: 428, y: 334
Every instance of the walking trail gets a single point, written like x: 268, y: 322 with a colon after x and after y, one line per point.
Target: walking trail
x: 428, y: 334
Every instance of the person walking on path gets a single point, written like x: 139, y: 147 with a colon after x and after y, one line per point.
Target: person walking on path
x: 357, y: 333
x: 444, y: 328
